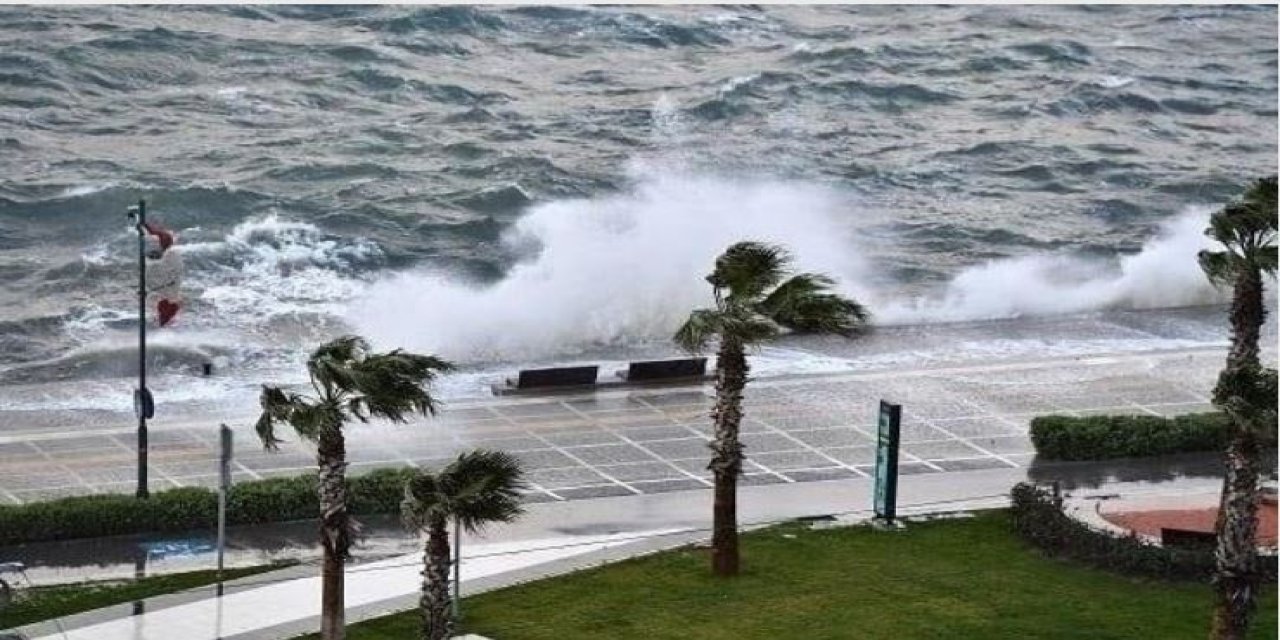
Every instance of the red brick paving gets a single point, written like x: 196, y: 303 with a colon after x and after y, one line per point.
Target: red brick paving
x: 1150, y: 522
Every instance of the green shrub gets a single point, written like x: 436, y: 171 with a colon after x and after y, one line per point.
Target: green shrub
x: 273, y: 500
x: 1039, y: 519
x: 1103, y: 437
x: 188, y: 508
x: 182, y: 508
x: 377, y: 492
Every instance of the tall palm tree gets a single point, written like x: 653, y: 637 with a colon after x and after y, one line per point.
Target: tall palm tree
x: 1246, y: 392
x: 478, y: 488
x: 350, y: 383
x: 757, y: 298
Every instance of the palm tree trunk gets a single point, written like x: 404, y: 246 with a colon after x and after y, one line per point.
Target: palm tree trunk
x: 335, y: 532
x: 1247, y: 316
x: 435, y: 601
x: 1235, y: 570
x: 1235, y: 558
x: 726, y: 459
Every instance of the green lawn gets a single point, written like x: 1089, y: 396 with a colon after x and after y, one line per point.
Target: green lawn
x: 45, y: 603
x: 950, y: 580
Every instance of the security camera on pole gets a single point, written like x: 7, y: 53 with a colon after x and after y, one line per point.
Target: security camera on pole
x: 168, y: 272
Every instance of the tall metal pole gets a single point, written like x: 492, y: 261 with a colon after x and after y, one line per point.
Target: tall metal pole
x: 142, y: 400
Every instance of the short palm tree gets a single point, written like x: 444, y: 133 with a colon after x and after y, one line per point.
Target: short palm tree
x: 756, y: 299
x: 350, y: 383
x: 478, y: 488
x: 1246, y: 392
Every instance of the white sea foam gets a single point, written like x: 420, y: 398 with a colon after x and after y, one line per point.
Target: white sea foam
x: 1164, y: 273
x: 87, y: 189
x: 281, y: 267
x: 1116, y: 82
x: 625, y: 268
x: 608, y: 270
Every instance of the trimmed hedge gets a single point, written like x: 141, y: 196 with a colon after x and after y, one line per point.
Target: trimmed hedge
x: 1038, y: 518
x: 1104, y: 437
x: 189, y: 508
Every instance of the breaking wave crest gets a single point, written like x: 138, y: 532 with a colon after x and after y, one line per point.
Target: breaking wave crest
x: 606, y: 271
x: 1164, y: 273
x: 627, y: 268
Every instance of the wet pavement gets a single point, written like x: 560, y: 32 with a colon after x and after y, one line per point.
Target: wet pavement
x: 633, y: 442
x: 153, y: 554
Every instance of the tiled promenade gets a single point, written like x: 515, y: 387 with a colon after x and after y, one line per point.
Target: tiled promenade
x: 645, y: 441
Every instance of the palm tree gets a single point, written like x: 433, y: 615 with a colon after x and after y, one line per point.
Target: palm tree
x: 1246, y: 393
x: 478, y: 488
x: 349, y: 383
x: 755, y: 301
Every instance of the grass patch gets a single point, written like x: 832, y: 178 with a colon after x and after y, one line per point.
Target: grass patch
x: 949, y: 579
x: 46, y: 603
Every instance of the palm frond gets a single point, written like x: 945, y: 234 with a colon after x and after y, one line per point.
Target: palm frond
x: 478, y: 488
x: 748, y: 269
x: 747, y: 328
x: 311, y: 420
x: 1218, y: 266
x: 485, y: 487
x: 697, y: 331
x: 1265, y: 259
x: 277, y: 406
x: 423, y: 502
x: 804, y: 303
x: 1247, y: 230
x: 394, y: 384
x: 344, y: 349
x: 330, y: 364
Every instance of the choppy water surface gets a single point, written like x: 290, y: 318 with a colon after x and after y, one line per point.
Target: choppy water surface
x: 535, y: 183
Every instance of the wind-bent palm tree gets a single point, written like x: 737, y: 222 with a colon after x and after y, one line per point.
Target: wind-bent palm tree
x: 755, y: 302
x: 478, y: 488
x: 1246, y: 392
x: 349, y: 383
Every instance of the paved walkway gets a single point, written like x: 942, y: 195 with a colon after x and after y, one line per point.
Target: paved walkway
x: 260, y: 604
x: 635, y: 442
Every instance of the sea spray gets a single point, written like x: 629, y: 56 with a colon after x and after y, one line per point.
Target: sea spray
x: 627, y: 268
x: 1164, y: 273
x: 610, y: 270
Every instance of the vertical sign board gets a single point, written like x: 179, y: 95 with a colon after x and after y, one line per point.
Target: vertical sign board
x: 887, y: 436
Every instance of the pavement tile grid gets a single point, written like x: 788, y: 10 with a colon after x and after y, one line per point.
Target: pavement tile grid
x: 652, y: 441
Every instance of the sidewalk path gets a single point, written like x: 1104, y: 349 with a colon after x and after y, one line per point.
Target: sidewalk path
x: 297, y: 600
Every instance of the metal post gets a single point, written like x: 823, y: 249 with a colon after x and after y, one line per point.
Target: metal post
x: 224, y: 485
x: 142, y: 397
x: 457, y: 572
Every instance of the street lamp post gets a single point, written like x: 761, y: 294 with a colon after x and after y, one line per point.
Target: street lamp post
x: 143, y: 404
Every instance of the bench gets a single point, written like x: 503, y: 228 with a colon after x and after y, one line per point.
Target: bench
x: 555, y: 377
x: 665, y: 370
x: 1186, y: 538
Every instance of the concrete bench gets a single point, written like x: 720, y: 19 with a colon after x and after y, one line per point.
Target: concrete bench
x: 551, y: 379
x: 682, y: 370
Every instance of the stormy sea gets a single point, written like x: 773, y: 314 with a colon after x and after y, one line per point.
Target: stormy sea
x: 507, y: 186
